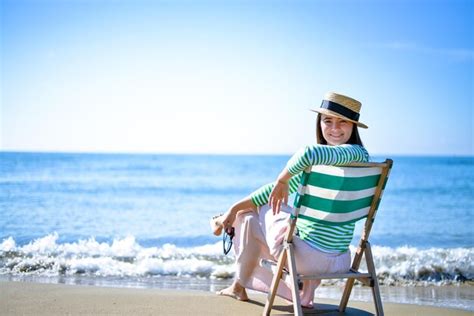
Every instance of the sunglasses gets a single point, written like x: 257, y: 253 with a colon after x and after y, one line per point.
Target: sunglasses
x: 227, y: 239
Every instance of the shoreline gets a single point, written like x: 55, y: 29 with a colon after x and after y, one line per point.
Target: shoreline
x: 30, y: 298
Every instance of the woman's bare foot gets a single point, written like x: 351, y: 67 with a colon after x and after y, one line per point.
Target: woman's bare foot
x: 216, y: 225
x: 235, y: 291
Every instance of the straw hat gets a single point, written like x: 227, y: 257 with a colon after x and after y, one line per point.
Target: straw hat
x: 341, y: 106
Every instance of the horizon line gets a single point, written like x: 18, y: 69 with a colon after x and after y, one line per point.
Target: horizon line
x: 74, y: 152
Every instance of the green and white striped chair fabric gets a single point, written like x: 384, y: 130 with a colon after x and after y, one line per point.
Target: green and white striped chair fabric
x: 330, y: 200
x: 334, y: 195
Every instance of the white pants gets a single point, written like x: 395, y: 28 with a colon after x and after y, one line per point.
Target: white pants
x: 260, y: 236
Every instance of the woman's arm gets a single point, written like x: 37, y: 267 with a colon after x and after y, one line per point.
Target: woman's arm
x: 326, y: 155
x: 279, y: 193
x: 261, y: 196
x: 308, y: 156
x: 242, y: 206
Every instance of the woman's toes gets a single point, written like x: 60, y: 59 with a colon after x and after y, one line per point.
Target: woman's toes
x: 240, y: 295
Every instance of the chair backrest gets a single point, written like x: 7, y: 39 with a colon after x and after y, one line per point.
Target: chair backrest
x: 341, y: 195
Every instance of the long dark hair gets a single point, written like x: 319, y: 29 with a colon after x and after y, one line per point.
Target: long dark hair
x: 353, y: 140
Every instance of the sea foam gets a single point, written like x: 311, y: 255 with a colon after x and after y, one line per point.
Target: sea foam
x: 125, y: 257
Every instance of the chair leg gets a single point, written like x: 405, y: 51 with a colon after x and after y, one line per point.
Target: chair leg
x: 274, y: 286
x: 350, y: 282
x: 298, y: 311
x: 375, y: 286
x: 346, y: 295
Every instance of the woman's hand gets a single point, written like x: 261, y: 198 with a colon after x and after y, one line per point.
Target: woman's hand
x: 278, y: 196
x: 245, y: 205
x: 228, y: 219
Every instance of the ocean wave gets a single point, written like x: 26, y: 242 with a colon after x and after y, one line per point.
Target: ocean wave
x: 125, y: 257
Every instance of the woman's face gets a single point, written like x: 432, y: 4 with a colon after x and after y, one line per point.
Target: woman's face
x: 336, y: 131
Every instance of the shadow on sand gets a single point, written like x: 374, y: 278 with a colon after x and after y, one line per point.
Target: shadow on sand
x: 318, y: 309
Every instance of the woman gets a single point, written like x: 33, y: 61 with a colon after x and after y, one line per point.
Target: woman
x: 260, y: 220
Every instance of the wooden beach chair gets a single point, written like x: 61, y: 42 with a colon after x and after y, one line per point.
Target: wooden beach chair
x: 335, y: 195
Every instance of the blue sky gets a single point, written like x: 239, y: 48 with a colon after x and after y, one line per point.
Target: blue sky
x: 233, y: 76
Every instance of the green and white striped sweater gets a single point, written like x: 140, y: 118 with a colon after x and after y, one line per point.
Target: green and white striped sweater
x: 327, y: 238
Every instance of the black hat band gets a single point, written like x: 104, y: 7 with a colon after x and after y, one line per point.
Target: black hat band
x: 336, y: 107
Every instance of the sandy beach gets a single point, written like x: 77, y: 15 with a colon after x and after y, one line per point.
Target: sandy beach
x: 25, y: 298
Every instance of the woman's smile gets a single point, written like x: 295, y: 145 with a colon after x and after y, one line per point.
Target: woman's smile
x: 335, y: 130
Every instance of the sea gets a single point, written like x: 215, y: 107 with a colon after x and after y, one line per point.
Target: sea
x: 142, y: 220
